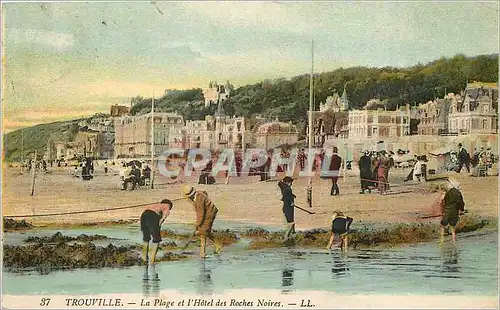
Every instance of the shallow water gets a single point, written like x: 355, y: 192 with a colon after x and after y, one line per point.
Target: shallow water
x: 119, y: 234
x: 467, y: 267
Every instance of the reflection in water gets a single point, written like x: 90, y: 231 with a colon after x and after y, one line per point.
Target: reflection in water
x: 151, y: 281
x: 340, y: 267
x: 286, y: 280
x: 449, y: 256
x: 204, y: 281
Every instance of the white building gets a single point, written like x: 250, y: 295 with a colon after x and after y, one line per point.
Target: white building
x: 379, y: 123
x: 133, y: 134
x: 199, y: 134
x: 433, y: 115
x: 216, y: 93
x: 230, y: 132
x: 473, y: 112
x: 218, y: 132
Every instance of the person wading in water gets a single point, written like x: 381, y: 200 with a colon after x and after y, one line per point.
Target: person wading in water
x: 288, y: 205
x: 151, y: 220
x: 452, y: 207
x: 340, y: 227
x: 206, y: 212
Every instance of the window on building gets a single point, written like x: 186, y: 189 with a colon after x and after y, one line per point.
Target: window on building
x: 485, y: 124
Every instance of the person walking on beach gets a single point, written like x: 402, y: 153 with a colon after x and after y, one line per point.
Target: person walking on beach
x: 365, y: 172
x: 417, y: 169
x: 452, y: 207
x: 288, y: 199
x: 151, y: 220
x: 373, y: 167
x: 340, y: 227
x: 381, y: 173
x: 463, y: 158
x: 390, y: 164
x: 264, y: 169
x: 302, y: 159
x: 335, y: 164
x: 206, y: 212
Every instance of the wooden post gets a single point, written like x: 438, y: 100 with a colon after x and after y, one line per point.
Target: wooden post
x: 345, y: 163
x: 22, y: 151
x: 152, y: 140
x: 34, y: 175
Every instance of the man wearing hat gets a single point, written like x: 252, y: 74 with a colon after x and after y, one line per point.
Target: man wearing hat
x: 452, y: 207
x: 463, y: 158
x: 206, y: 213
x: 288, y: 205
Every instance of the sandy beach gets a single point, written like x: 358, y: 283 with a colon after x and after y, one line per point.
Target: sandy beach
x: 244, y: 199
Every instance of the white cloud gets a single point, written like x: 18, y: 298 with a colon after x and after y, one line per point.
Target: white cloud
x: 58, y: 40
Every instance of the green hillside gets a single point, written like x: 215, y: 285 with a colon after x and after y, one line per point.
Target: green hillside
x: 36, y: 137
x: 288, y: 99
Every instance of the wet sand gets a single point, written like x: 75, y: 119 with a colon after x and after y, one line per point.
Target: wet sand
x: 244, y: 199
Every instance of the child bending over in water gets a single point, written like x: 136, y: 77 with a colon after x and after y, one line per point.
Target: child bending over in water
x: 340, y: 227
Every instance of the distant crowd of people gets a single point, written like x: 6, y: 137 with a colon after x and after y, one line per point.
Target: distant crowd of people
x: 374, y: 168
x: 480, y: 158
x: 135, y: 172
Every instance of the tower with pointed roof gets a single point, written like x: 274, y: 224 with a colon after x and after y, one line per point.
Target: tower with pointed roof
x: 220, y: 110
x: 344, y: 101
x: 220, y: 124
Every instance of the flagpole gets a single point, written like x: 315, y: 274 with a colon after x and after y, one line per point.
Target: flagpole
x: 310, y: 137
x: 311, y: 96
x: 152, y: 140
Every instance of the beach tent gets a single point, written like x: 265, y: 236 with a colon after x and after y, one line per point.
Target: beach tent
x: 441, y: 151
x: 403, y: 160
x: 440, y: 160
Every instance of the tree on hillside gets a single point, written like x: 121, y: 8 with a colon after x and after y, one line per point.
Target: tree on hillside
x: 288, y: 99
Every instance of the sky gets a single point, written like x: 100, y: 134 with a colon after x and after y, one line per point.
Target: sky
x: 68, y: 60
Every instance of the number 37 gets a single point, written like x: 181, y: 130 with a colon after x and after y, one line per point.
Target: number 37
x: 44, y: 302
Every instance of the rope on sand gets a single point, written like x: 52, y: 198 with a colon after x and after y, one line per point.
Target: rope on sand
x: 391, y: 184
x: 88, y: 211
